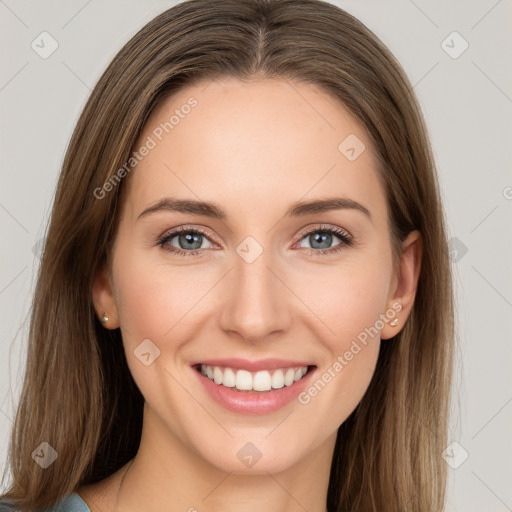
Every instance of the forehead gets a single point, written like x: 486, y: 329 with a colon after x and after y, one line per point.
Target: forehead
x: 252, y: 146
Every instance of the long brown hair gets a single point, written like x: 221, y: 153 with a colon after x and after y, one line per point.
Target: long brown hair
x: 78, y: 394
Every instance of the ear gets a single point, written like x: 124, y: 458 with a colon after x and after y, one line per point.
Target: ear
x: 404, y: 284
x: 103, y: 297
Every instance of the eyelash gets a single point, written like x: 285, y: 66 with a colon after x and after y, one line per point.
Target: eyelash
x: 346, y: 240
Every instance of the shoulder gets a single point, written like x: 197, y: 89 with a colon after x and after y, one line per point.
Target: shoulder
x: 6, y: 506
x: 71, y: 503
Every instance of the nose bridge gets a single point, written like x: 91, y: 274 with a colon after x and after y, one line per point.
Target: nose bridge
x: 255, y: 304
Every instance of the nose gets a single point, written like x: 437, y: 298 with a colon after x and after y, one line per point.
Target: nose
x: 255, y: 302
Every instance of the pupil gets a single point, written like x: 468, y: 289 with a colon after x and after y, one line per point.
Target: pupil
x: 189, y: 237
x: 318, y: 238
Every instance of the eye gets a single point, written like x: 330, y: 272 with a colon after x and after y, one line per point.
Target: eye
x: 186, y: 241
x: 189, y: 242
x: 321, y: 238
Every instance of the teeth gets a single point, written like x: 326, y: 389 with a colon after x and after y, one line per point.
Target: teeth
x: 243, y: 380
x: 289, y: 376
x: 278, y: 380
x: 258, y: 381
x: 262, y: 381
x: 229, y: 379
x: 218, y: 375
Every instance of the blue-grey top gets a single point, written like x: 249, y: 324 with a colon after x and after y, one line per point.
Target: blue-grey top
x: 71, y: 503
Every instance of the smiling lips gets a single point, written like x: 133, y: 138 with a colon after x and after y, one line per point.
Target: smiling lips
x: 244, y: 380
x: 253, y: 387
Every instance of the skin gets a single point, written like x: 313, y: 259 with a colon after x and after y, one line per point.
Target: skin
x: 253, y: 148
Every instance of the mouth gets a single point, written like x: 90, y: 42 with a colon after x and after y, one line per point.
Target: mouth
x: 253, y: 387
x: 261, y: 381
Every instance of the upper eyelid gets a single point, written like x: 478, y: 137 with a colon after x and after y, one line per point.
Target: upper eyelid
x: 323, y: 227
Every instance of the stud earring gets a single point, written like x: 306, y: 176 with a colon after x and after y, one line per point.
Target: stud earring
x: 104, y: 318
x: 394, y: 323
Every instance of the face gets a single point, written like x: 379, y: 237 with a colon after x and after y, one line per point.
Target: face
x: 254, y: 290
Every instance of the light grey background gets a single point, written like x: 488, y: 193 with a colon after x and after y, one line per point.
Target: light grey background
x: 467, y: 103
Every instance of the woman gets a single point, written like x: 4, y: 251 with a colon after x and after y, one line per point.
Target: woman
x: 245, y: 296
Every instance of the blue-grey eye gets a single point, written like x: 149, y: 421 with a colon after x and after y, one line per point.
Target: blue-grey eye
x: 188, y: 240
x: 320, y: 240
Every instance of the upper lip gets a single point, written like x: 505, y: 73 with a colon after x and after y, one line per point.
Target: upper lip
x: 253, y: 366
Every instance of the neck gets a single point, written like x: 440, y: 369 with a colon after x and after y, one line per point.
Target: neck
x: 166, y: 475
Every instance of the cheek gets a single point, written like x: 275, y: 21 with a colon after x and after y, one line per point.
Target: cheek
x: 153, y: 300
x: 160, y: 304
x: 349, y: 300
x: 349, y: 297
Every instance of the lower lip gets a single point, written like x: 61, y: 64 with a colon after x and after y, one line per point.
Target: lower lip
x: 255, y: 402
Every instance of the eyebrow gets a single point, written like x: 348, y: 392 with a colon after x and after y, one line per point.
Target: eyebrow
x: 297, y: 209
